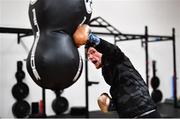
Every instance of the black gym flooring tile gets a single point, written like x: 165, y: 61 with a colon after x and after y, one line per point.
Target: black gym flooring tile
x: 166, y: 110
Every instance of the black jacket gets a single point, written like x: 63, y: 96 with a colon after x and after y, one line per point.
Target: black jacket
x: 128, y: 89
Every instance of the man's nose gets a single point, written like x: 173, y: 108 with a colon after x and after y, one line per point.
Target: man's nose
x: 90, y: 57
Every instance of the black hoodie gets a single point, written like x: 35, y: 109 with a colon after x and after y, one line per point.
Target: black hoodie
x: 128, y: 90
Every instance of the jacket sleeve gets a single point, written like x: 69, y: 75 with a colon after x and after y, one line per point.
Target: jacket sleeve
x: 112, y: 106
x: 111, y: 53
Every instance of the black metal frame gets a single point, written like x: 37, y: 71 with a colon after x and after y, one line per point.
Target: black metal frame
x: 99, y: 22
x: 21, y: 32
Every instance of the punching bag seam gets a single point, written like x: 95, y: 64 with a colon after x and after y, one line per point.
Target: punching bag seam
x: 79, y: 69
x: 83, y: 20
x: 33, y: 66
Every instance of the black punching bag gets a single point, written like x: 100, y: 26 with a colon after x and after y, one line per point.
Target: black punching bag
x: 54, y: 61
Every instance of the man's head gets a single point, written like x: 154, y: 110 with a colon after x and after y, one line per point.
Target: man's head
x: 94, y: 56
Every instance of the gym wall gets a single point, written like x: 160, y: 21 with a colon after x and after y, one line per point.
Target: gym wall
x: 128, y: 16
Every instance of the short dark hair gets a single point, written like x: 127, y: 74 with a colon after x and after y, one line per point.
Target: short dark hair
x: 88, y: 45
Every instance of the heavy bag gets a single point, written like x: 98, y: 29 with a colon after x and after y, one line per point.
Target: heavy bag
x: 54, y: 61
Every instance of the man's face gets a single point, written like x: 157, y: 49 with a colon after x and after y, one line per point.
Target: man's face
x: 95, y: 57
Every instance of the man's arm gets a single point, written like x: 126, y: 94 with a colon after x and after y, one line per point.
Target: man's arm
x: 106, y: 103
x: 110, y: 52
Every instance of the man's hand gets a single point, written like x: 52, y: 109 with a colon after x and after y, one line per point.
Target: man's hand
x: 80, y: 36
x: 104, y: 102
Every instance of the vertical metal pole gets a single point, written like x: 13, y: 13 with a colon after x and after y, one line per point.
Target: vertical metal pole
x: 18, y: 38
x: 44, y: 102
x: 146, y: 55
x: 86, y: 85
x: 174, y: 63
